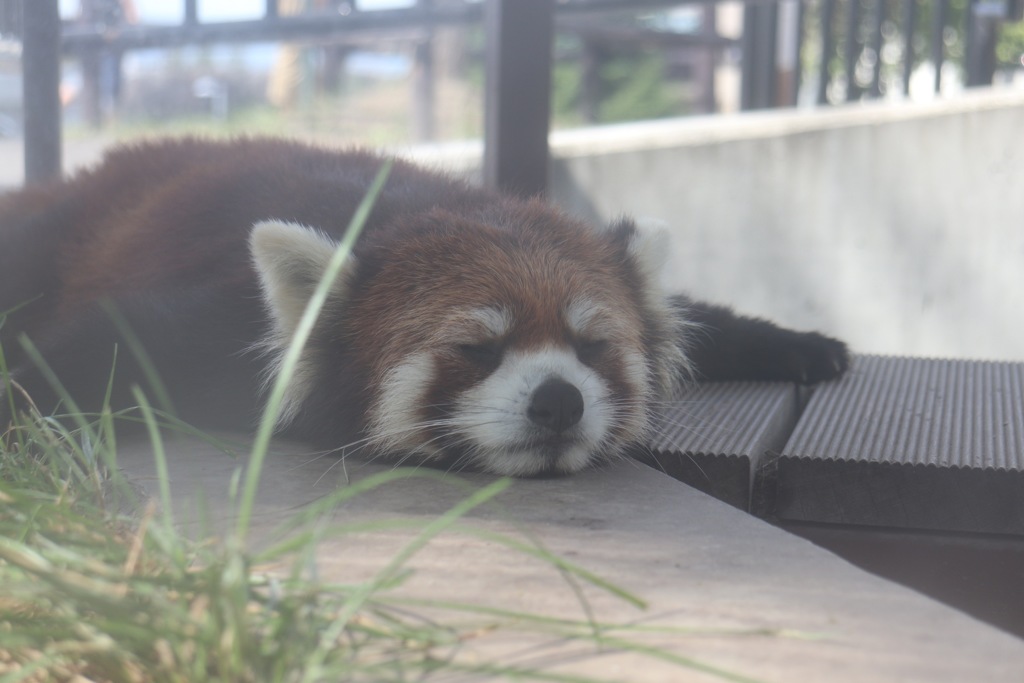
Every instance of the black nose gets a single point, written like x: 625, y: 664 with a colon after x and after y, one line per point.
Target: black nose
x: 556, y: 405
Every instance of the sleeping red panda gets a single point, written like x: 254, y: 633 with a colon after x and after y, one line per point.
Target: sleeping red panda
x: 466, y: 327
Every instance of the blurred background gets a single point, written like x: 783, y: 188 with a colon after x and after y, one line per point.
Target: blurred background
x: 853, y: 166
x: 367, y: 85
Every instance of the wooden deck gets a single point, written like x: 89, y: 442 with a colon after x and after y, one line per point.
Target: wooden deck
x: 902, y: 460
x: 722, y: 588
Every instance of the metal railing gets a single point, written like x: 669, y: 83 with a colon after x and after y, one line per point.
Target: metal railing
x: 848, y: 41
x: 840, y: 45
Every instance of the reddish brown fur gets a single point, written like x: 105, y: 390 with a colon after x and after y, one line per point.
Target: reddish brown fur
x: 536, y: 266
x: 182, y: 210
x: 161, y: 230
x: 177, y: 214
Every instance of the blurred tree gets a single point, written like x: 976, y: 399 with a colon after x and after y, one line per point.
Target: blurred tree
x: 1010, y: 47
x: 609, y: 86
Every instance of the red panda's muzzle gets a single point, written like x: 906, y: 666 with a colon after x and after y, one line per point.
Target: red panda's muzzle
x: 555, y: 406
x: 540, y: 410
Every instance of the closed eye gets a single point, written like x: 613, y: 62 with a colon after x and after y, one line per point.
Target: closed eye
x: 484, y: 354
x: 591, y: 350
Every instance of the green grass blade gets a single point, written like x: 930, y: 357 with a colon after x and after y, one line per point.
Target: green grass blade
x: 135, y: 345
x: 358, y: 599
x: 51, y: 378
x: 298, y: 342
x: 159, y: 456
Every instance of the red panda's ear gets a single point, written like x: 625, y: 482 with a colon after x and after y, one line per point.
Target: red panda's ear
x: 290, y: 259
x: 650, y: 247
x: 646, y: 241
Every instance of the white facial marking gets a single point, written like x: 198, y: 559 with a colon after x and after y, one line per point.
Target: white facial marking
x: 495, y: 321
x: 394, y: 418
x: 590, y: 320
x: 637, y: 373
x: 493, y: 415
x: 584, y: 317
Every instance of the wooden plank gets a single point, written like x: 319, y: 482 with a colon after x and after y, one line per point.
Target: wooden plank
x: 715, y: 436
x: 723, y: 589
x: 909, y: 443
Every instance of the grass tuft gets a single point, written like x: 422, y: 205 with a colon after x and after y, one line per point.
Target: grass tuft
x: 88, y: 593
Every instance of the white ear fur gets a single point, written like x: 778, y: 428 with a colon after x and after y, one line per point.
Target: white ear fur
x: 649, y: 247
x: 290, y: 260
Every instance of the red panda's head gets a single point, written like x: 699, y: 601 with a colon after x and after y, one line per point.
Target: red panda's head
x: 520, y: 342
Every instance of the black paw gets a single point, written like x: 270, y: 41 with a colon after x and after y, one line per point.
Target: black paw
x: 730, y: 347
x: 809, y: 357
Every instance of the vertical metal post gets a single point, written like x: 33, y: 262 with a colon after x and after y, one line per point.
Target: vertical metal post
x: 705, y: 76
x: 40, y: 68
x: 938, y: 29
x: 853, y: 48
x: 91, y: 97
x: 92, y: 13
x: 517, y: 100
x: 789, y: 32
x: 970, y: 42
x: 828, y: 47
x: 760, y: 33
x: 270, y: 9
x: 982, y: 33
x: 424, y: 80
x: 801, y: 35
x: 877, y: 17
x: 423, y: 88
x: 591, y: 88
x: 191, y: 13
x: 909, y: 24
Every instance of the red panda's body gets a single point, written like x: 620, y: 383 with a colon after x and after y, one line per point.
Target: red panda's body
x: 466, y: 325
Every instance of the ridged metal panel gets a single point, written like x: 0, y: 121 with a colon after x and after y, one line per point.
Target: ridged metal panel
x: 714, y: 436
x: 909, y: 443
x: 912, y: 411
x: 727, y: 418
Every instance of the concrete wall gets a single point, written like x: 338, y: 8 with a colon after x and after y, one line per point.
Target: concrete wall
x: 899, y: 228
